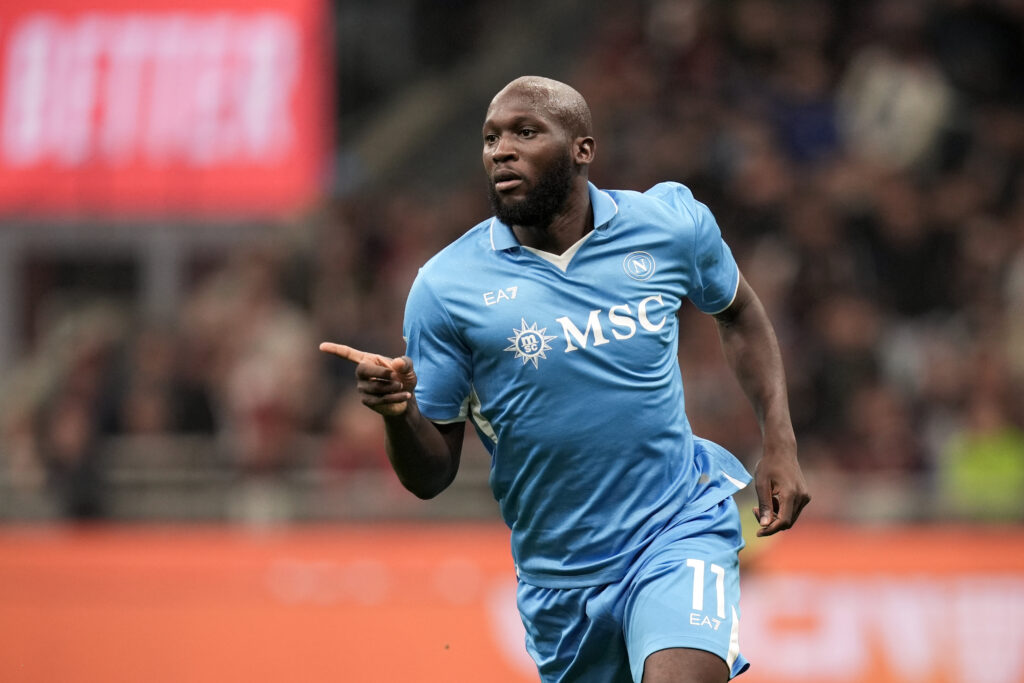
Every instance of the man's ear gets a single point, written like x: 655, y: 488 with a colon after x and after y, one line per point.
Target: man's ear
x: 583, y: 149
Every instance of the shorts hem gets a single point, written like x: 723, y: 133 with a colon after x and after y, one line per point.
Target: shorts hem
x: 714, y: 647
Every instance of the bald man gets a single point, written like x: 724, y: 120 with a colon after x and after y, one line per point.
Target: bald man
x: 552, y: 327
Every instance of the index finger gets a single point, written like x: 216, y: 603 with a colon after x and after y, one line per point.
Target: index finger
x: 787, y: 509
x: 346, y: 352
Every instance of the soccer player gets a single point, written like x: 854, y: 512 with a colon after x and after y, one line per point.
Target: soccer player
x: 552, y: 327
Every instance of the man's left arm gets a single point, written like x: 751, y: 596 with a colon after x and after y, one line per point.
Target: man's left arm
x: 752, y: 351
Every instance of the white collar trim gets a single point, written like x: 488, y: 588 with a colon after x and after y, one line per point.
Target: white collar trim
x: 560, y: 261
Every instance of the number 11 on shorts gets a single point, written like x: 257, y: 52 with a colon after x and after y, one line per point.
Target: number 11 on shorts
x: 698, y: 594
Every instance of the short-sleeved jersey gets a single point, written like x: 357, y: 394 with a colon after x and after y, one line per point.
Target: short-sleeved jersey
x: 567, y: 366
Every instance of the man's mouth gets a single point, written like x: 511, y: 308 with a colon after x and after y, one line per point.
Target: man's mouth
x: 506, y: 180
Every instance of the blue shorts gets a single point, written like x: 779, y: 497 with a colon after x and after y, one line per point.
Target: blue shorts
x: 682, y: 591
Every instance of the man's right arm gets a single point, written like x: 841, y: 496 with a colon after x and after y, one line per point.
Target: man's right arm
x: 424, y: 455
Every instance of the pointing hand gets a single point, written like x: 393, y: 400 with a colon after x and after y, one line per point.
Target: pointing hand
x: 386, y: 384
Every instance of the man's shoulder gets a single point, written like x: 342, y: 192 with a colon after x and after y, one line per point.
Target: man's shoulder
x: 449, y: 278
x: 670, y: 195
x: 667, y: 204
x: 465, y: 249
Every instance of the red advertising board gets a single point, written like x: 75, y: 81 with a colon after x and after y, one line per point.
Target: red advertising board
x: 436, y: 604
x: 164, y: 108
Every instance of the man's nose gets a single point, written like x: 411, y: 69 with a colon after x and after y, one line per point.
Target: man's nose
x: 504, y: 149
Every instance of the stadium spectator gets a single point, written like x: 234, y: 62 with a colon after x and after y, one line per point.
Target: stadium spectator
x: 69, y: 405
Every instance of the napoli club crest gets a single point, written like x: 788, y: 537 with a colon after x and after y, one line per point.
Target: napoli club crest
x: 639, y: 265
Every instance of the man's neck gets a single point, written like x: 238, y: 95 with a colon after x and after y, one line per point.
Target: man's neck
x: 567, y: 227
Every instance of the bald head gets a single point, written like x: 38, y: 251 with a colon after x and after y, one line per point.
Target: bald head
x: 552, y: 98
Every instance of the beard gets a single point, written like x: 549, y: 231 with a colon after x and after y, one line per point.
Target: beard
x: 540, y: 205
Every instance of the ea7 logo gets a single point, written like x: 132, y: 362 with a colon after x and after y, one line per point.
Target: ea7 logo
x: 506, y: 294
x: 621, y: 319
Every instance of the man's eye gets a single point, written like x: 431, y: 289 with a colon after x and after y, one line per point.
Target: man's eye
x: 527, y: 132
x: 490, y: 139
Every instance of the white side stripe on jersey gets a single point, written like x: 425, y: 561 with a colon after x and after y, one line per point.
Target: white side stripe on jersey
x: 482, y: 423
x: 734, y: 481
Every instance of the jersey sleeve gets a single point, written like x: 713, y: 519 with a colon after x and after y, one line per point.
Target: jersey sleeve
x: 716, y: 276
x: 440, y: 357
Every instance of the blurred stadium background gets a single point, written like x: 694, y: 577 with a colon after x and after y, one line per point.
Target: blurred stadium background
x: 193, y: 194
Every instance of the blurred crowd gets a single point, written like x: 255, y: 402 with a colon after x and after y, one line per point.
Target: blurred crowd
x: 865, y: 161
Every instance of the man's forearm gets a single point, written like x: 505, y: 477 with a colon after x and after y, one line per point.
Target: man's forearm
x: 423, y: 458
x: 752, y: 351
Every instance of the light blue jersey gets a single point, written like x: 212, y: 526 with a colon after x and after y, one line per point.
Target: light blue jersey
x: 567, y: 366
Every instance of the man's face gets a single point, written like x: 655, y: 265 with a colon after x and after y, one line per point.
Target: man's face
x: 528, y: 162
